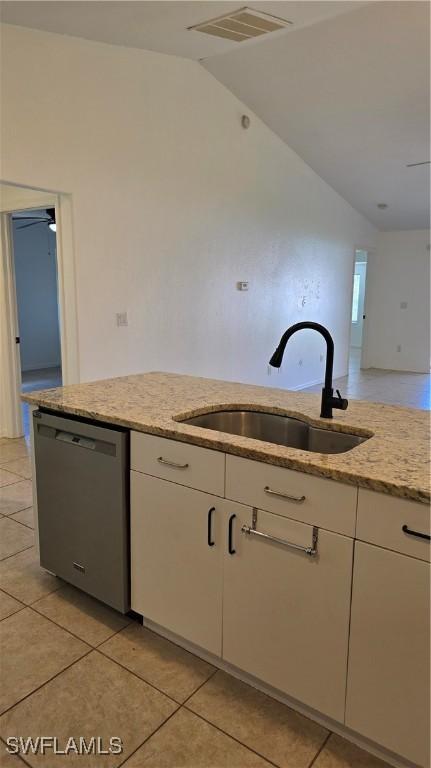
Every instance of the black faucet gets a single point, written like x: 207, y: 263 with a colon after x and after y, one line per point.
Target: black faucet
x: 328, y: 400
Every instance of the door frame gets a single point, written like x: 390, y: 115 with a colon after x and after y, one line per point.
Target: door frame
x: 369, y: 251
x: 31, y: 198
x: 366, y: 327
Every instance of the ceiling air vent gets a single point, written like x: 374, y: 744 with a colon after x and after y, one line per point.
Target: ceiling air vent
x: 241, y: 25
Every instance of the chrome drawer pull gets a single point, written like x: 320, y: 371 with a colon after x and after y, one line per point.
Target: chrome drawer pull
x: 419, y: 535
x: 297, y: 499
x: 174, y: 464
x: 251, y: 531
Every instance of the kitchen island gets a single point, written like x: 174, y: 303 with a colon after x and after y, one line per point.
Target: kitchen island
x: 394, y: 461
x: 304, y: 573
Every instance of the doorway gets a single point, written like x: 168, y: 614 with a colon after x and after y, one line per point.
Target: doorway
x: 358, y: 310
x: 34, y: 257
x: 50, y: 220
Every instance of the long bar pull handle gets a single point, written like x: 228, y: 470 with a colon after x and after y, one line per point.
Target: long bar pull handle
x: 310, y: 551
x: 230, y: 547
x: 419, y: 535
x: 297, y: 499
x: 211, y: 541
x: 174, y: 464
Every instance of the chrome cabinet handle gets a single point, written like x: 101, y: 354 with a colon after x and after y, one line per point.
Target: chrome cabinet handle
x: 310, y: 551
x: 174, y: 464
x: 419, y: 535
x: 296, y: 499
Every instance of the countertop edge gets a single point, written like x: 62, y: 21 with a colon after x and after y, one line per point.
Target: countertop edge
x: 255, y: 454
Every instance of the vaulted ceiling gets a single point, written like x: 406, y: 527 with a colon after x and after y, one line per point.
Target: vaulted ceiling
x: 351, y: 96
x: 346, y: 85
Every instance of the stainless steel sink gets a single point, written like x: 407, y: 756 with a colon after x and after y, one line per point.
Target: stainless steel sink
x: 282, y: 430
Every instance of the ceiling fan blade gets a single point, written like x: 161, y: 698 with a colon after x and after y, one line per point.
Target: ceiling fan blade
x: 413, y: 165
x: 30, y: 218
x: 34, y: 223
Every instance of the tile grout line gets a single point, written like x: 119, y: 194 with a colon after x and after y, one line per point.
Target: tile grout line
x: 32, y: 606
x: 15, y: 512
x: 20, y: 758
x: 142, y: 679
x: 14, y: 612
x: 321, y: 749
x: 20, y: 477
x: 2, y: 559
x: 179, y: 705
x: 2, y: 589
x: 20, y: 523
x: 234, y: 738
x: 195, y: 714
x: 199, y: 687
x: 42, y: 685
x: 148, y: 737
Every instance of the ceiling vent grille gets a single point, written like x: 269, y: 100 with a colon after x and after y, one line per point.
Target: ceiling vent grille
x: 241, y: 25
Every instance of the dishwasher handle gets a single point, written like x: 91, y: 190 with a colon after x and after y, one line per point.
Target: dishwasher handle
x: 73, y: 439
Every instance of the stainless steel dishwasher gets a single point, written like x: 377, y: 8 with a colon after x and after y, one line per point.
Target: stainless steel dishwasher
x: 82, y: 502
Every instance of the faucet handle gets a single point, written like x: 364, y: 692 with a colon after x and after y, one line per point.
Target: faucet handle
x: 341, y: 403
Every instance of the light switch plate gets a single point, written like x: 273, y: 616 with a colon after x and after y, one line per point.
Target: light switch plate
x: 122, y: 319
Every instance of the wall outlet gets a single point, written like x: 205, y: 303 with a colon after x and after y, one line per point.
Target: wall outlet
x: 122, y: 319
x: 398, y: 347
x: 269, y: 369
x: 242, y: 285
x: 299, y: 362
x: 403, y: 305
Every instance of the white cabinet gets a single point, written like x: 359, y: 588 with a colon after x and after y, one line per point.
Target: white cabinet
x: 388, y: 695
x: 176, y: 559
x: 286, y: 614
x: 181, y: 463
x: 297, y: 495
x: 272, y: 610
x: 394, y: 523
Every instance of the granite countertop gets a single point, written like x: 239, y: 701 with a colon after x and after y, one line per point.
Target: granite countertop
x: 395, y: 460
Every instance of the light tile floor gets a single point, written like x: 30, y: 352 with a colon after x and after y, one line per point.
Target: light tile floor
x: 412, y: 390
x: 70, y: 666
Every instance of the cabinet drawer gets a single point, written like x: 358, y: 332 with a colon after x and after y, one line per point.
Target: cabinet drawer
x: 325, y: 503
x: 181, y: 463
x: 381, y: 519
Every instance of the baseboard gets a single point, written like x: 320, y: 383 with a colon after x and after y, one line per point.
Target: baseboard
x: 44, y: 367
x: 305, y: 386
x: 303, y: 709
x: 397, y: 370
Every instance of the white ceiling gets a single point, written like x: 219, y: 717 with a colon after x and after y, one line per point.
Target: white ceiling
x: 351, y: 96
x: 158, y: 26
x: 347, y: 86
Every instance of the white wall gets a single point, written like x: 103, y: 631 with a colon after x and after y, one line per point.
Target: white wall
x: 173, y: 204
x: 399, y: 272
x: 36, y: 288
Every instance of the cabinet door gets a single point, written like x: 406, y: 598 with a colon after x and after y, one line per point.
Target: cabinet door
x: 285, y: 614
x: 176, y: 559
x: 388, y: 697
